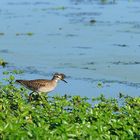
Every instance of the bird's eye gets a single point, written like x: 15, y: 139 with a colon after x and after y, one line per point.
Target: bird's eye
x: 57, y: 76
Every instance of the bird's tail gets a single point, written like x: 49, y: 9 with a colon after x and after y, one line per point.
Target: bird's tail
x: 19, y: 81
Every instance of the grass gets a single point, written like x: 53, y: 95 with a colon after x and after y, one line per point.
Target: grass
x: 65, y: 117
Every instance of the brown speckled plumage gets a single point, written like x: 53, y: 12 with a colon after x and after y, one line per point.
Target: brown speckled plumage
x: 42, y: 85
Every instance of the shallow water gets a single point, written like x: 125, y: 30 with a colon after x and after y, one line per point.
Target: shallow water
x: 89, y: 41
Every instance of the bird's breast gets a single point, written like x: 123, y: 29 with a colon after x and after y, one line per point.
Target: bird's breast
x: 47, y: 88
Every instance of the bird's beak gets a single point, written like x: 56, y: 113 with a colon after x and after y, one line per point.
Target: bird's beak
x: 64, y: 81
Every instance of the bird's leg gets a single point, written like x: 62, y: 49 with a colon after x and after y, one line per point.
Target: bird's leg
x: 30, y: 96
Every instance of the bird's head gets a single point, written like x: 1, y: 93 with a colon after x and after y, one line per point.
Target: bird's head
x: 59, y: 76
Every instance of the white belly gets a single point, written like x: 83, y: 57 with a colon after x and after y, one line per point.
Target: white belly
x: 46, y: 89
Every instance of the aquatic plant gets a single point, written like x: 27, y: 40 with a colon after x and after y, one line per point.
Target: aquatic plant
x: 92, y: 21
x: 59, y: 8
x: 65, y: 117
x: 1, y: 34
x: 28, y: 34
x: 106, y: 1
x: 3, y: 62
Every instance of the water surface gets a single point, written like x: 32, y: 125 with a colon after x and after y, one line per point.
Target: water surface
x: 91, y: 42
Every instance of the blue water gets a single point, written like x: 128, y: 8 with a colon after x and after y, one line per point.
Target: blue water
x: 64, y: 39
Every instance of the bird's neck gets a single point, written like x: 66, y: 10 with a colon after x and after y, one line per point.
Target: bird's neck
x: 55, y: 80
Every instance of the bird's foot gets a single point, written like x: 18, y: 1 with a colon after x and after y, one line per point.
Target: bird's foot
x: 30, y: 98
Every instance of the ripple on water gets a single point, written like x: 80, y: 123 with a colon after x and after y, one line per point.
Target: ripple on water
x: 126, y: 63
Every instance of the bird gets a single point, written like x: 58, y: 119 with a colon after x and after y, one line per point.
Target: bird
x: 42, y: 85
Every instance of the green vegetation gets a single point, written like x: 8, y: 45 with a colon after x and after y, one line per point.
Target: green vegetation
x: 65, y: 117
x: 29, y: 33
x: 59, y: 8
x: 106, y: 1
x: 3, y: 63
x: 22, y: 34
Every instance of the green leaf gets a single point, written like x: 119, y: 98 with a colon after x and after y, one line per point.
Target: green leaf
x: 12, y: 78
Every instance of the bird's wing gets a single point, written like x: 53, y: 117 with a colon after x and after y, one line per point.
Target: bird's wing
x: 32, y: 84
